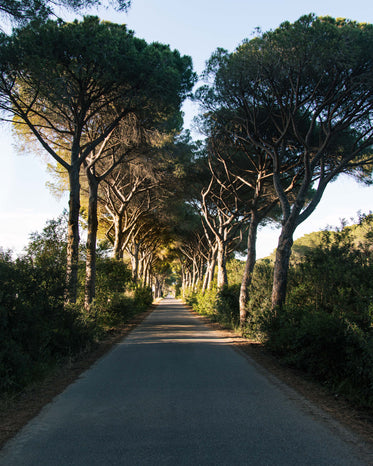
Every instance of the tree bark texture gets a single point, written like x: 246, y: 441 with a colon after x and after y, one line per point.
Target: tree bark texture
x: 249, y: 267
x: 90, y: 277
x: 73, y: 236
x: 280, y: 274
x: 222, y: 269
x: 117, y: 247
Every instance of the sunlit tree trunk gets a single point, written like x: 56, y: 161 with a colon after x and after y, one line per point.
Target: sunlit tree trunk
x: 280, y: 273
x: 90, y: 270
x: 135, y: 271
x: 222, y: 268
x: 117, y: 250
x: 211, y: 273
x: 249, y: 267
x: 73, y: 236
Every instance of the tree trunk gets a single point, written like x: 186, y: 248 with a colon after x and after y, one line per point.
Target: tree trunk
x: 194, y: 276
x: 117, y: 247
x: 209, y: 274
x: 222, y: 269
x: 204, y: 283
x: 249, y: 267
x: 157, y: 288
x: 211, y: 271
x: 90, y: 270
x: 135, y: 262
x: 182, y: 281
x: 146, y: 272
x: 280, y: 274
x: 73, y: 236
x: 140, y: 268
x: 187, y: 279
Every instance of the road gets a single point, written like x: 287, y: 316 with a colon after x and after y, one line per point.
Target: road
x: 175, y: 392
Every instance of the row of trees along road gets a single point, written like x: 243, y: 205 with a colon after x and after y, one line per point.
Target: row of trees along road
x: 89, y: 92
x: 283, y: 116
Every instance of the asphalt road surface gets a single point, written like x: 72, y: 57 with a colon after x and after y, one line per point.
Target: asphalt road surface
x: 174, y: 392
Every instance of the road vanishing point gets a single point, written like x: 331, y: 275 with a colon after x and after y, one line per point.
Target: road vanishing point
x: 176, y: 392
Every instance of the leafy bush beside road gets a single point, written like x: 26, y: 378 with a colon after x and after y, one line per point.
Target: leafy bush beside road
x: 326, y: 326
x: 37, y: 330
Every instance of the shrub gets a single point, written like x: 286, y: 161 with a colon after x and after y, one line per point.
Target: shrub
x: 143, y: 297
x: 116, y: 310
x: 111, y: 276
x: 205, y: 303
x: 221, y: 306
x: 227, y: 306
x: 329, y: 347
x: 259, y: 303
x: 36, y: 329
x: 334, y: 278
x: 190, y: 297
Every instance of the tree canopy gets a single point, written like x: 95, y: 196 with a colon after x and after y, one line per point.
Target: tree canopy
x: 303, y: 95
x: 64, y: 82
x: 23, y: 11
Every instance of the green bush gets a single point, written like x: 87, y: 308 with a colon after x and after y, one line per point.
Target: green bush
x: 328, y: 347
x: 116, y: 310
x: 189, y: 297
x: 112, y: 276
x: 221, y: 306
x: 72, y: 332
x: 335, y: 278
x: 205, y: 303
x: 259, y: 303
x: 227, y: 306
x: 36, y: 329
x: 143, y: 297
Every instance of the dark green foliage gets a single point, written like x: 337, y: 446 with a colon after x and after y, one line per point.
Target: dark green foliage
x: 261, y: 287
x: 235, y: 270
x: 143, y: 297
x: 112, y: 276
x: 112, y: 307
x: 326, y: 326
x: 46, y: 254
x: 259, y: 303
x: 116, y: 309
x: 221, y: 306
x: 204, y: 304
x: 227, y: 310
x: 336, y: 277
x: 328, y: 347
x: 36, y: 329
x: 24, y: 11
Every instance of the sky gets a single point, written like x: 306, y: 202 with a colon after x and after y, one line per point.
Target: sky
x: 196, y: 28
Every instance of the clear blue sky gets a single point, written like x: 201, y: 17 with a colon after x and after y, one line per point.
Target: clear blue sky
x: 195, y: 28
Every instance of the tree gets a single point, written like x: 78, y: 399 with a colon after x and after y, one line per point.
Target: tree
x: 125, y: 199
x: 59, y: 78
x: 24, y: 11
x: 246, y: 166
x: 130, y: 141
x: 313, y: 82
x: 222, y: 214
